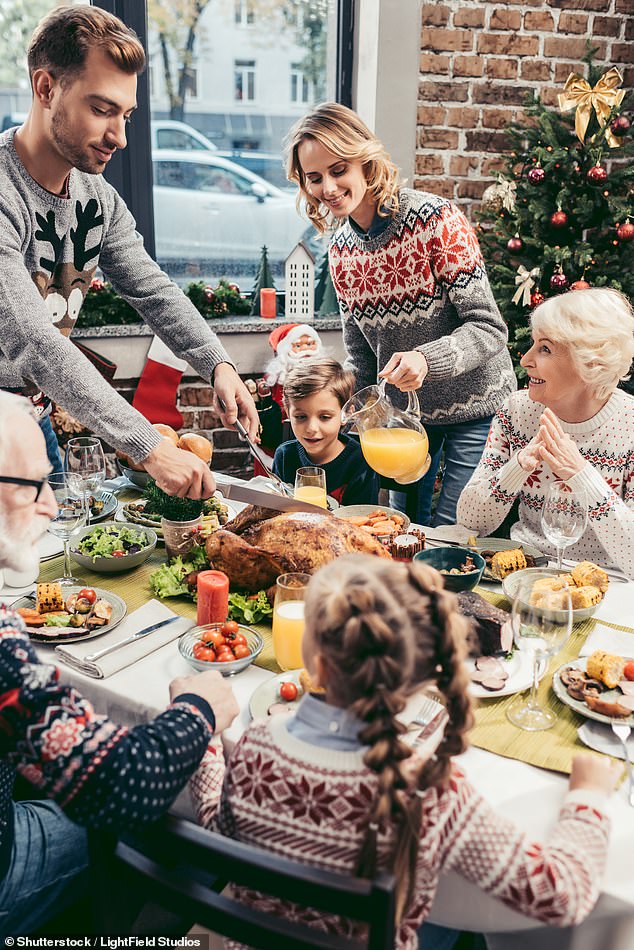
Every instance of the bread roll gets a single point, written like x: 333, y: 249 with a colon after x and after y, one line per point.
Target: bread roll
x: 166, y: 431
x: 197, y: 444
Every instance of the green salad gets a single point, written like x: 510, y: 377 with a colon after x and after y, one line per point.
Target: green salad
x: 109, y: 541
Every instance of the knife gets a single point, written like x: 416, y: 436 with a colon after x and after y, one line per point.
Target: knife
x: 91, y: 657
x: 258, y: 454
x: 267, y: 499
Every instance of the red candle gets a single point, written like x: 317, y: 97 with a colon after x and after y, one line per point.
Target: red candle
x: 268, y: 302
x: 213, y: 597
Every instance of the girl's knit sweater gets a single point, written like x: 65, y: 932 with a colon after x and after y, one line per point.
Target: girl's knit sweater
x: 421, y: 284
x: 300, y: 800
x: 606, y: 442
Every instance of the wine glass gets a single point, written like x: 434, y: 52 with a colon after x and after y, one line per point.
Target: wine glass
x: 564, y: 516
x: 288, y: 620
x: 542, y: 632
x: 71, y: 514
x: 85, y: 466
x: 310, y: 485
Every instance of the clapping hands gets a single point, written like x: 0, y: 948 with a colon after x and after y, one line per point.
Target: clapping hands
x: 553, y: 446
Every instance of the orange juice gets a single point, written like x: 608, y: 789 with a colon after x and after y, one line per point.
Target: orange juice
x: 288, y: 630
x: 395, y: 453
x: 313, y: 494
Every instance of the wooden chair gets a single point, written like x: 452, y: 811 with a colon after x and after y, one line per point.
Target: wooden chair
x: 176, y: 861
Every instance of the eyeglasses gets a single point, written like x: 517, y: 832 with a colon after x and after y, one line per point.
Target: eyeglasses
x: 36, y: 483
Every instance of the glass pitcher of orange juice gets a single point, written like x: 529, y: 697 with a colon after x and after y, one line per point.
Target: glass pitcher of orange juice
x: 393, y: 441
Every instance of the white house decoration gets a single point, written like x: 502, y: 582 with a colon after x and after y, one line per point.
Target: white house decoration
x: 299, y: 271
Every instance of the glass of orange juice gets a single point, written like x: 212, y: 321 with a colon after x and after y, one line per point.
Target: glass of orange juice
x: 288, y: 620
x: 310, y: 485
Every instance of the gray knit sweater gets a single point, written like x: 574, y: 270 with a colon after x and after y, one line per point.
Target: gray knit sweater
x: 50, y: 247
x: 421, y: 284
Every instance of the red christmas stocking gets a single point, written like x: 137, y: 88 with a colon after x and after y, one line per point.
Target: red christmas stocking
x: 155, y: 396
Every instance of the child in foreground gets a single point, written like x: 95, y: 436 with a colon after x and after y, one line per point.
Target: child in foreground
x: 337, y: 779
x: 314, y: 394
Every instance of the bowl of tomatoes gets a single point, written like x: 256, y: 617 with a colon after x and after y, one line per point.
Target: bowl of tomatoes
x: 228, y: 647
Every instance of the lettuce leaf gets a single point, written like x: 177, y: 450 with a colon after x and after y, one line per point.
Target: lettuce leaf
x: 249, y: 608
x: 170, y: 580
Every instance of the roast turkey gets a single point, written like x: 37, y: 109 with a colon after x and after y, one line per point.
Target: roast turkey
x: 260, y: 544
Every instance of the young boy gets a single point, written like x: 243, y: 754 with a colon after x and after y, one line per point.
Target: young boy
x: 314, y: 393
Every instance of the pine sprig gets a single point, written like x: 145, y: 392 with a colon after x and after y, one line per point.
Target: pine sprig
x: 170, y: 507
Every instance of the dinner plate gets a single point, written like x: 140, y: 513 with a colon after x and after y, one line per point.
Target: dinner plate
x: 610, y: 694
x: 119, y: 610
x: 109, y: 507
x: 602, y: 739
x: 268, y: 693
x: 506, y: 544
x: 519, y: 666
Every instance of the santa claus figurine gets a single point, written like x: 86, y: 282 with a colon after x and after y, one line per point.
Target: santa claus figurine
x: 291, y: 343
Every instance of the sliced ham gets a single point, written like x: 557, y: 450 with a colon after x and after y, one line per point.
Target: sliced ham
x: 494, y: 683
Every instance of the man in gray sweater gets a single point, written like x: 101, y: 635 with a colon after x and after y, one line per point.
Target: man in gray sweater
x: 59, y: 220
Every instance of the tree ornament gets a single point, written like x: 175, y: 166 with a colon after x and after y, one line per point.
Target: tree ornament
x: 96, y: 284
x: 499, y: 196
x: 536, y: 299
x: 209, y: 295
x: 525, y: 280
x: 597, y: 174
x: 559, y: 281
x: 536, y: 175
x: 580, y: 285
x: 234, y: 288
x: 620, y: 126
x: 515, y: 244
x: 559, y: 219
x: 578, y: 94
x: 625, y: 232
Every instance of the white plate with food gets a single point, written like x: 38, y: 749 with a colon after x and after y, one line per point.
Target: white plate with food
x: 269, y: 699
x: 492, y: 676
x: 572, y: 682
x: 601, y: 738
x: 103, y: 506
x: 217, y: 512
x: 104, y: 606
x: 527, y: 556
x: 377, y: 520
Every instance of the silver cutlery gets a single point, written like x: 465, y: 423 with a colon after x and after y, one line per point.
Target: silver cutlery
x: 259, y: 456
x: 91, y: 657
x: 622, y: 731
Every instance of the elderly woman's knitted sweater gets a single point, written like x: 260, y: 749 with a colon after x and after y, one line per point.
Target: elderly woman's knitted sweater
x: 421, y: 284
x: 606, y: 442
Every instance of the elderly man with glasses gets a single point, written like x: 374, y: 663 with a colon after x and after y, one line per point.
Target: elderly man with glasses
x: 86, y: 770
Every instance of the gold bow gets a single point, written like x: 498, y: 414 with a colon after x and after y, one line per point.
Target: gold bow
x: 525, y: 281
x: 579, y: 94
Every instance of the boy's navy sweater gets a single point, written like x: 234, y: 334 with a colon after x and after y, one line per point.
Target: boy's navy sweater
x: 349, y: 479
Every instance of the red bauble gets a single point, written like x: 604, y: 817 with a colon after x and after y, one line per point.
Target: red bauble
x: 234, y: 287
x: 625, y: 232
x: 559, y: 219
x: 620, y: 126
x: 536, y: 299
x: 559, y: 282
x: 536, y: 175
x: 579, y: 285
x: 597, y: 175
x: 96, y: 284
x: 515, y: 244
x: 209, y: 295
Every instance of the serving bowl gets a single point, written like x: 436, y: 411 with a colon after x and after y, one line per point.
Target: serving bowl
x: 113, y: 565
x: 140, y: 479
x: 188, y: 640
x: 511, y: 585
x: 364, y: 511
x: 444, y: 559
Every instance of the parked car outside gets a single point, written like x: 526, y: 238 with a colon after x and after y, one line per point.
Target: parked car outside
x: 267, y: 165
x: 211, y: 218
x: 168, y: 133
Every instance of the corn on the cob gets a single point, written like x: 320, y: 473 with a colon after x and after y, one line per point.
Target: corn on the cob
x: 506, y: 562
x: 588, y: 574
x: 48, y: 598
x: 605, y: 667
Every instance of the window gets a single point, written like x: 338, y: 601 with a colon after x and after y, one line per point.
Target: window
x: 176, y: 138
x: 190, y: 82
x: 300, y: 87
x: 244, y: 73
x: 244, y: 12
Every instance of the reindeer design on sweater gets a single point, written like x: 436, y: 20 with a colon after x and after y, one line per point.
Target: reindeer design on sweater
x: 64, y: 284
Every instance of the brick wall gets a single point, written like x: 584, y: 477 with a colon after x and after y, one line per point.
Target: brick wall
x: 477, y: 62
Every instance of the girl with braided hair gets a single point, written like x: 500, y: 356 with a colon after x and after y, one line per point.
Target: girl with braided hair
x: 336, y: 785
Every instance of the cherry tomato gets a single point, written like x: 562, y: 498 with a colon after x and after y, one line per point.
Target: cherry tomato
x: 118, y: 554
x: 239, y: 639
x: 628, y: 670
x: 230, y: 628
x: 227, y: 657
x: 225, y: 649
x: 288, y: 692
x: 215, y: 638
x: 87, y: 593
x: 240, y: 651
x: 202, y: 652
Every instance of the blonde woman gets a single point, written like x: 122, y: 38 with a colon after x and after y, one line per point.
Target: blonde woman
x: 415, y: 300
x: 571, y: 424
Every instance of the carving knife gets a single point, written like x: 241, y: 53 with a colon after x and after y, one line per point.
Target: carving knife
x: 266, y: 499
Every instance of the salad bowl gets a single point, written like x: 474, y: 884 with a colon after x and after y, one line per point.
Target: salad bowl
x: 113, y: 547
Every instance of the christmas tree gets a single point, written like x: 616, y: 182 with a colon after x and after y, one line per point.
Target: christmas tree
x: 561, y: 217
x: 325, y: 297
x: 264, y: 279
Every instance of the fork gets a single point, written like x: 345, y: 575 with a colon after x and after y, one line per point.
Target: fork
x: 429, y: 709
x: 622, y: 731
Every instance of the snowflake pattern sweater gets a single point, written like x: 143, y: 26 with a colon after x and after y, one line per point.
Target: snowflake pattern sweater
x: 50, y: 247
x: 421, y: 284
x: 606, y: 442
x: 288, y: 796
x: 102, y: 775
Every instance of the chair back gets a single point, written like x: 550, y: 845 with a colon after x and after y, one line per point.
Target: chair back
x: 177, y: 858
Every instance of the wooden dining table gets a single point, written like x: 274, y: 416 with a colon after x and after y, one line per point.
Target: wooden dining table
x: 530, y: 795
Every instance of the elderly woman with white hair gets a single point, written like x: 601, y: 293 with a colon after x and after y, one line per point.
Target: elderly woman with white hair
x: 572, y: 424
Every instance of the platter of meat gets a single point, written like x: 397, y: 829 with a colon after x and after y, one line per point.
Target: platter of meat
x: 65, y: 614
x: 493, y: 676
x: 598, y: 687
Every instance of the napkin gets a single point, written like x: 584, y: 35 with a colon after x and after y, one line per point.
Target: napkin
x: 605, y: 638
x: 73, y: 654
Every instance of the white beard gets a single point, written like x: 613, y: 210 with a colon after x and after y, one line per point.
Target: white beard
x: 279, y: 367
x: 21, y: 553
